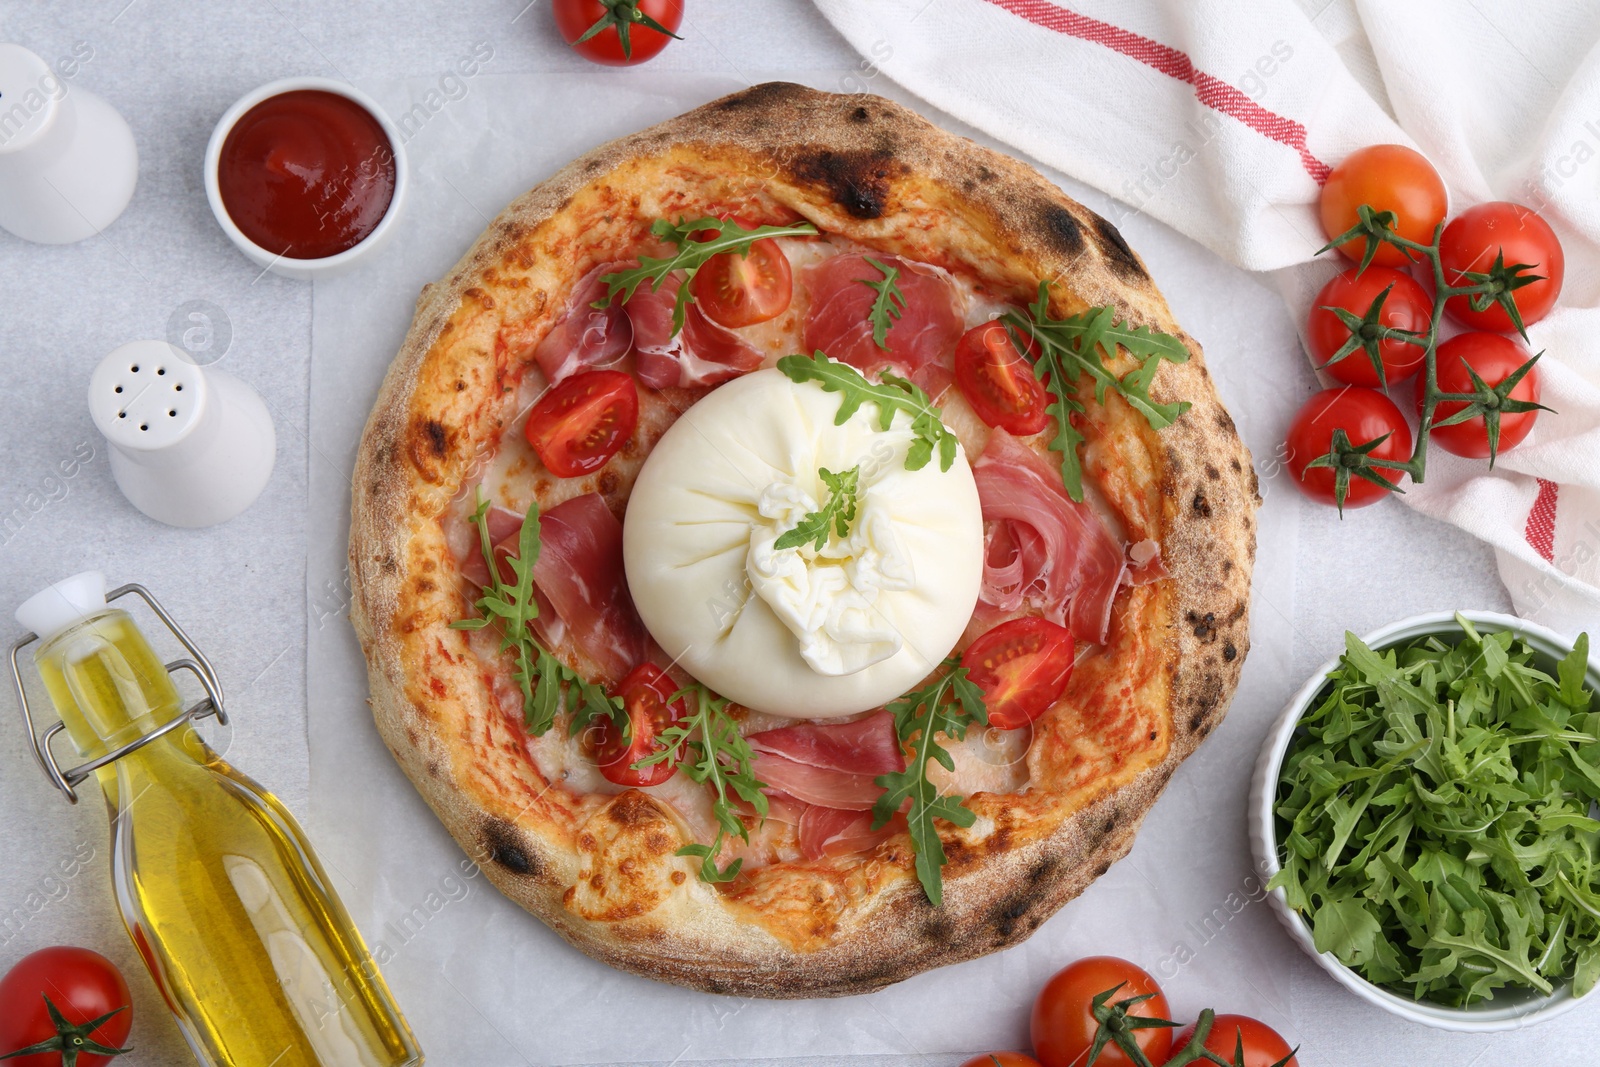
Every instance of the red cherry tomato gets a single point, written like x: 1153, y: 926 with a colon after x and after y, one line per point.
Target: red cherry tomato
x: 1003, y: 1059
x: 1494, y: 358
x: 1364, y: 415
x: 998, y: 381
x: 1263, y: 1046
x: 1022, y: 666
x: 1516, y: 233
x: 647, y: 695
x: 1063, y: 1024
x: 1407, y: 307
x: 581, y: 423
x: 1386, y: 177
x: 83, y: 985
x: 575, y: 18
x: 741, y: 290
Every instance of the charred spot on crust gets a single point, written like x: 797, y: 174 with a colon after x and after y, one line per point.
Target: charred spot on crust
x: 857, y: 181
x: 438, y: 437
x: 1117, y: 252
x: 1042, y: 870
x: 461, y: 386
x: 1229, y: 652
x: 766, y: 92
x: 388, y: 563
x: 1202, y: 506
x: 1204, y: 625
x: 938, y: 930
x: 1009, y: 913
x: 1101, y: 869
x: 1212, y: 472
x: 860, y: 114
x: 502, y: 846
x: 1060, y: 228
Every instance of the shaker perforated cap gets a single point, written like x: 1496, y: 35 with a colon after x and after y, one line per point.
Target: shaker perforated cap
x: 63, y: 604
x: 146, y: 395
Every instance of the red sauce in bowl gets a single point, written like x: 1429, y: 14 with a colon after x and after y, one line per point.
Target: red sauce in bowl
x: 306, y: 174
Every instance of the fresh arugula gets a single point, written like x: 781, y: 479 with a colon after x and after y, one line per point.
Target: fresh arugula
x: 708, y: 748
x: 889, y: 304
x: 837, y: 513
x: 547, y: 684
x: 893, y: 393
x: 948, y: 706
x: 1066, y: 349
x: 1436, y: 818
x: 694, y: 251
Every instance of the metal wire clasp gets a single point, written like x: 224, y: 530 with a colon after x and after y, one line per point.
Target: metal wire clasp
x: 196, y: 664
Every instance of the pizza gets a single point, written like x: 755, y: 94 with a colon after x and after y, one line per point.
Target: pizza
x: 795, y: 546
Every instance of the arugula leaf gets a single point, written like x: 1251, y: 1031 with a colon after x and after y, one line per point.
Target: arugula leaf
x: 948, y: 706
x: 708, y: 748
x: 892, y: 394
x: 1067, y: 349
x: 836, y: 514
x: 692, y: 254
x: 889, y: 305
x: 1435, y: 817
x: 547, y: 684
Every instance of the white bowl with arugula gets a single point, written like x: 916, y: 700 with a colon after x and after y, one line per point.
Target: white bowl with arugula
x: 1426, y: 806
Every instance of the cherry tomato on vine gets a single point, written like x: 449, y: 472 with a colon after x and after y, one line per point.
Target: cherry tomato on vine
x: 1023, y: 667
x: 1063, y: 1023
x: 736, y: 290
x: 1494, y: 358
x: 83, y: 986
x: 1406, y: 307
x: 998, y: 381
x: 581, y: 423
x: 1263, y: 1046
x: 1364, y: 415
x: 647, y: 695
x: 618, y: 33
x: 1513, y: 234
x: 1004, y: 1059
x: 1386, y: 177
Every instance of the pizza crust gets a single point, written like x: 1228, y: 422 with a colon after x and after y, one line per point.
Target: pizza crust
x: 603, y: 873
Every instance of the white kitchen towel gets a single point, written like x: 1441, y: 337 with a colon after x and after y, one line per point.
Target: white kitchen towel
x: 1222, y: 118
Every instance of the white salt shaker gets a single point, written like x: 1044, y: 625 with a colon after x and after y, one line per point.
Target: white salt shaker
x: 68, y: 163
x: 190, y: 446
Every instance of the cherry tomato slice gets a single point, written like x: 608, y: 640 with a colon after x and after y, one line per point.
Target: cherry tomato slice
x: 1022, y: 666
x: 1407, y: 307
x: 1518, y: 235
x: 1494, y: 358
x: 647, y: 695
x: 574, y: 18
x: 1063, y: 1024
x: 998, y: 381
x: 1263, y: 1046
x: 1386, y: 177
x: 1364, y: 415
x: 741, y: 290
x: 581, y: 423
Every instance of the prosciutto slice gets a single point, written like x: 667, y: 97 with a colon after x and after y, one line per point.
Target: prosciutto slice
x: 702, y: 353
x: 837, y: 322
x: 831, y: 765
x: 579, y: 579
x: 825, y: 832
x: 1040, y: 547
x: 586, y: 337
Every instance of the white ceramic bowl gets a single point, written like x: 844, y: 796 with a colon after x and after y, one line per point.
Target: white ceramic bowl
x: 1507, y: 1011
x: 306, y: 269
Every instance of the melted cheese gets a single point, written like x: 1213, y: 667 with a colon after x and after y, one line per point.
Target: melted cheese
x: 799, y: 632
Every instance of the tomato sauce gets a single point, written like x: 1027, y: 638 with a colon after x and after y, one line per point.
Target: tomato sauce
x: 306, y: 174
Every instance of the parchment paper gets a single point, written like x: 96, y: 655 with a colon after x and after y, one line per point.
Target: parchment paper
x: 483, y: 982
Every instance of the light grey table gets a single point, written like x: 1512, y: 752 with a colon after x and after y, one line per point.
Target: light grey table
x: 241, y: 589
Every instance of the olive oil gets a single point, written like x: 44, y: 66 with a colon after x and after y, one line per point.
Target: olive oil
x: 219, y: 889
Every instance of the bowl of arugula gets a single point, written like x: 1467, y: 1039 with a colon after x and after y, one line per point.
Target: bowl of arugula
x: 1427, y: 807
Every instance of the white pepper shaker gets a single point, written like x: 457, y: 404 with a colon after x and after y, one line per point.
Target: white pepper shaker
x: 68, y: 163
x: 190, y: 446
